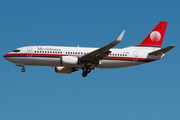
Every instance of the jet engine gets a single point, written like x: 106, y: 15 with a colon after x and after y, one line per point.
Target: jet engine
x: 60, y: 69
x: 68, y: 60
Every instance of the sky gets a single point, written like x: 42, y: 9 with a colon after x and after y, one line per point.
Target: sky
x: 149, y: 91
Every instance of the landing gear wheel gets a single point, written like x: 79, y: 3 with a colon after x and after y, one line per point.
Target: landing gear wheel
x: 88, y: 70
x: 23, y: 70
x: 84, y: 74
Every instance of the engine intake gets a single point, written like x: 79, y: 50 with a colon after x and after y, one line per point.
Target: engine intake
x: 69, y: 60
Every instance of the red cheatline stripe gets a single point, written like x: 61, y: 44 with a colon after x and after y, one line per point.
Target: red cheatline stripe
x: 59, y: 55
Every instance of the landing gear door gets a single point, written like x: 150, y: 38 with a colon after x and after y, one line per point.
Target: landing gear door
x: 29, y: 51
x: 135, y: 55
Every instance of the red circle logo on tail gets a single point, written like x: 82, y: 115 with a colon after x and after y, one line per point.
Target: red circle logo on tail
x: 155, y: 36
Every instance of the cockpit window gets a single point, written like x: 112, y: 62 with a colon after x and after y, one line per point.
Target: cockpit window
x: 16, y: 51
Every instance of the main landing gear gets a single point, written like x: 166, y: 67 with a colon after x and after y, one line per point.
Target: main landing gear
x: 86, y: 71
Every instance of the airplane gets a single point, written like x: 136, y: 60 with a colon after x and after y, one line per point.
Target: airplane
x: 71, y: 59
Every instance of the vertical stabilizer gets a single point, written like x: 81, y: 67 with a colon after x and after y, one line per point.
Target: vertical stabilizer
x: 155, y: 37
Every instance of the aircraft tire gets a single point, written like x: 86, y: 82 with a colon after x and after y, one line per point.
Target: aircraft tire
x: 88, y: 70
x: 84, y: 74
x: 23, y: 70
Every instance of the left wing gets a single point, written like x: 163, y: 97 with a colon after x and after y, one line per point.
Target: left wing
x: 94, y: 56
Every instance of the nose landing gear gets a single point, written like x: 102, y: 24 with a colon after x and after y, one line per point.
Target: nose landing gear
x: 20, y: 65
x: 23, y: 69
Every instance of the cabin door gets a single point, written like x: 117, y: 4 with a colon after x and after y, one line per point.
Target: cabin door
x: 135, y: 55
x: 29, y: 51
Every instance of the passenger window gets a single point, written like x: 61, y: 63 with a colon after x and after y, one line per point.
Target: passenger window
x: 34, y: 51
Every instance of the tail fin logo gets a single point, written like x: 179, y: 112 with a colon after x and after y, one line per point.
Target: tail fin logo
x: 155, y: 36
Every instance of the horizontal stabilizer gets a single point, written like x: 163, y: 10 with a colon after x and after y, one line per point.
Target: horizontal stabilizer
x: 162, y: 51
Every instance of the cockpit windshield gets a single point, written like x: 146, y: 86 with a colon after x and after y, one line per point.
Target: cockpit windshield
x: 16, y: 50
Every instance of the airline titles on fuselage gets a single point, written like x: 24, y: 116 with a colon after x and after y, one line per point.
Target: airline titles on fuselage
x: 49, y: 49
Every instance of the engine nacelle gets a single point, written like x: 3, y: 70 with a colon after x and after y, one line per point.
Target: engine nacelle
x: 69, y: 70
x: 69, y: 60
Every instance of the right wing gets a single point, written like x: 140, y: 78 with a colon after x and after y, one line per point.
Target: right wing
x: 94, y: 56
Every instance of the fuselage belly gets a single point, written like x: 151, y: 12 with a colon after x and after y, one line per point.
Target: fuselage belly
x: 45, y: 61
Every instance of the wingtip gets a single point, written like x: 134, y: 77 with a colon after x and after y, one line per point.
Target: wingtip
x: 120, y: 36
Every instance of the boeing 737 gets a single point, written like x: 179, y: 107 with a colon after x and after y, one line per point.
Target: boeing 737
x: 71, y: 59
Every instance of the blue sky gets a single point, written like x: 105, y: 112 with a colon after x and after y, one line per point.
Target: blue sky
x: 149, y: 91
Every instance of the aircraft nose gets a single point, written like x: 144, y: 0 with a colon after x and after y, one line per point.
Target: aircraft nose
x: 6, y: 56
x: 10, y: 58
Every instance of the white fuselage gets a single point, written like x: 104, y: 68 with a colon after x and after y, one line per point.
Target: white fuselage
x: 51, y: 56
